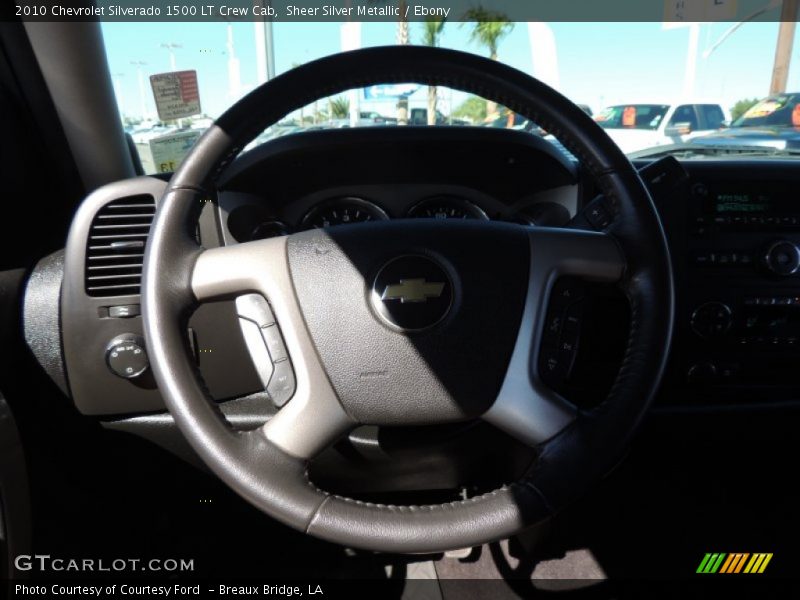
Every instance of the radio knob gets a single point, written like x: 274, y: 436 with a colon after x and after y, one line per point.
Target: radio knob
x: 699, y: 191
x: 711, y: 319
x: 783, y: 258
x: 701, y: 372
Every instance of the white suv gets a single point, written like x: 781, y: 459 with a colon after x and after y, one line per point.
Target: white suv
x: 638, y: 126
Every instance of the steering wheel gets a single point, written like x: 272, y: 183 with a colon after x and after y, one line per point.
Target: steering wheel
x: 409, y: 322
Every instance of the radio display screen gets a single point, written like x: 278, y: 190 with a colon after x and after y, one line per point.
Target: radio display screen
x: 742, y: 202
x: 768, y: 198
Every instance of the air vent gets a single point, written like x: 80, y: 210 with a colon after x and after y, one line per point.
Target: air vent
x: 115, y: 250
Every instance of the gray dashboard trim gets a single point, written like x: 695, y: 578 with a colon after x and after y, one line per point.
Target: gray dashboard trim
x: 42, y: 317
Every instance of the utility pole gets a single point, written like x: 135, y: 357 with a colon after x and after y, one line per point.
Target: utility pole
x: 119, y: 93
x: 691, y: 62
x: 783, y: 51
x: 142, y: 97
x: 234, y: 68
x: 265, y: 46
x: 403, y: 39
x: 171, y: 49
x: 351, y: 40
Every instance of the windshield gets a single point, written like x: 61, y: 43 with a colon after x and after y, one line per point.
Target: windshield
x: 701, y: 79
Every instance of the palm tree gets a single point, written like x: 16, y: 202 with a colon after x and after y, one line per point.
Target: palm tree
x: 403, y: 38
x: 431, y: 36
x: 488, y: 29
x: 339, y: 107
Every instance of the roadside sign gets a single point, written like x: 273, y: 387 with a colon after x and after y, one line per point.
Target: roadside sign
x: 390, y: 90
x: 176, y: 94
x: 681, y: 13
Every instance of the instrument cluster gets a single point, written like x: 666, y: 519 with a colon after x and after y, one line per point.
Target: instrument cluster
x: 246, y: 223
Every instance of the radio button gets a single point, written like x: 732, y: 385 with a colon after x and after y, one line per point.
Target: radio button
x: 699, y: 190
x: 711, y: 319
x: 723, y: 258
x: 702, y: 259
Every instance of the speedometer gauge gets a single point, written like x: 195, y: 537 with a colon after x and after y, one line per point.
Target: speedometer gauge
x: 341, y: 211
x: 446, y: 207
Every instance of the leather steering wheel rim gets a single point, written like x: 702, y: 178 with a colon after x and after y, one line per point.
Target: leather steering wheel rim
x: 177, y: 275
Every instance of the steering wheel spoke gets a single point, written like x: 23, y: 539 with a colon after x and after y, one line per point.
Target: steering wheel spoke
x: 313, y: 418
x: 526, y: 407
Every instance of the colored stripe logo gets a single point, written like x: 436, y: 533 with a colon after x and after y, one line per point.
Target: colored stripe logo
x: 737, y: 562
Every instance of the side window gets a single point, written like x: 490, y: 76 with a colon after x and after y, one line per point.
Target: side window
x: 712, y: 115
x: 685, y: 114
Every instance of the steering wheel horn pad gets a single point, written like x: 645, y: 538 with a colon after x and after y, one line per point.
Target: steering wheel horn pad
x: 355, y: 365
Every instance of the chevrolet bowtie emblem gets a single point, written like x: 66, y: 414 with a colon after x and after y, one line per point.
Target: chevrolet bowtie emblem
x: 413, y: 290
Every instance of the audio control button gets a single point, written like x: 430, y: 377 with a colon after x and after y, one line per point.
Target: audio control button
x: 783, y: 258
x: 711, y: 319
x: 702, y: 372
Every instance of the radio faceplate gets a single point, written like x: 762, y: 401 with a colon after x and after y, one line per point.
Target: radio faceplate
x: 742, y: 321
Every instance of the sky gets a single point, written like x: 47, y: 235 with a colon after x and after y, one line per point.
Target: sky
x: 598, y: 64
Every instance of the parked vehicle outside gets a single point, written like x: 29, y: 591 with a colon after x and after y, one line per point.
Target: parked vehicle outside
x: 772, y: 122
x: 638, y: 126
x: 419, y: 116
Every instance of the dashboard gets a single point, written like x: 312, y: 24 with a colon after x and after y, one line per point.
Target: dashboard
x: 733, y: 227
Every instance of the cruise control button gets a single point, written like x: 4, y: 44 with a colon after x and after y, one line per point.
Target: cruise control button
x: 255, y: 308
x: 258, y: 350
x: 282, y: 385
x: 567, y: 359
x: 567, y: 291
x: 598, y: 215
x: 552, y: 329
x: 274, y: 342
x: 568, y: 343
x: 573, y: 317
x: 552, y: 367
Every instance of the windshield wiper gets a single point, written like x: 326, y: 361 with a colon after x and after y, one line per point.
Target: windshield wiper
x: 687, y: 150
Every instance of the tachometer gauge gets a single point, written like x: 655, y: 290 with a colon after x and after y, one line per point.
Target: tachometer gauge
x: 446, y: 207
x: 269, y: 229
x: 341, y: 211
